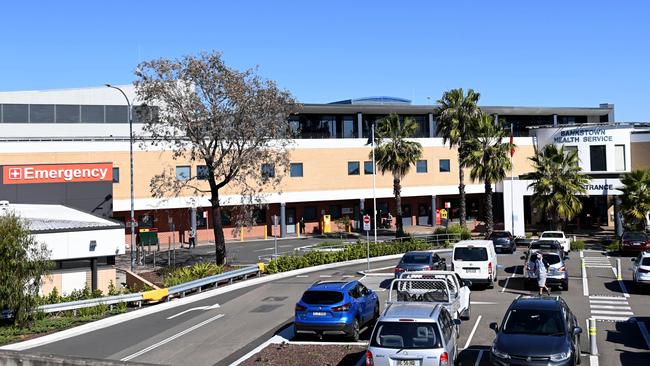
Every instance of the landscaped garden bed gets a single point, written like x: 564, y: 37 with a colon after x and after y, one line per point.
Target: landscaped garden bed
x: 285, y: 354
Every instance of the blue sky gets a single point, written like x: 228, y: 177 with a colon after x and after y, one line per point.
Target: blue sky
x: 547, y: 53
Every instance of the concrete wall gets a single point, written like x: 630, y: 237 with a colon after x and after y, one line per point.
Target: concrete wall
x: 55, y: 279
x: 16, y: 358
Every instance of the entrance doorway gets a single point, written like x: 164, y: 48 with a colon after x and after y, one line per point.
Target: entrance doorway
x: 291, y: 220
x: 423, y: 214
x: 407, y: 217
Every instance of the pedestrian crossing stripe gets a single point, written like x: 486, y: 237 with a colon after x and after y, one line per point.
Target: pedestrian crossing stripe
x: 613, y: 319
x: 623, y: 307
x: 607, y: 297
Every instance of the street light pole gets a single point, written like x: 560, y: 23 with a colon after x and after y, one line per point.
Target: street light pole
x: 374, y: 194
x: 132, y: 220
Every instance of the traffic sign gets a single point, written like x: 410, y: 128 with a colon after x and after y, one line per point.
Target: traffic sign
x: 447, y: 204
x: 443, y: 214
x: 366, y: 222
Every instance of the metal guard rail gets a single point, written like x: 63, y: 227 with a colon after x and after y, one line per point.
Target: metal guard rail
x: 147, y: 295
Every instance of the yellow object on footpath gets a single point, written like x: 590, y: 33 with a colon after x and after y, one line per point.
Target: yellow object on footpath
x: 266, y: 234
x: 260, y: 266
x: 155, y: 295
x: 298, y: 228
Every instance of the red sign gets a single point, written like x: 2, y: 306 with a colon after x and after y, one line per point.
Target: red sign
x: 57, y: 173
x: 438, y: 217
x: 366, y: 219
x: 447, y: 204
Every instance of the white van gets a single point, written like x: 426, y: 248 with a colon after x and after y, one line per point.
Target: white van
x: 475, y: 260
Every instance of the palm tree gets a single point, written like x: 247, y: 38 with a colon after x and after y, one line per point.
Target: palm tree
x: 635, y: 201
x: 487, y: 155
x: 455, y: 113
x: 395, y: 154
x: 558, y: 182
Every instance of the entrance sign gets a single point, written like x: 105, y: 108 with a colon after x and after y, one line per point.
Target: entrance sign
x: 57, y: 173
x: 366, y: 222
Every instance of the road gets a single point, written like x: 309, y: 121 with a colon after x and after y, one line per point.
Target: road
x: 204, y: 333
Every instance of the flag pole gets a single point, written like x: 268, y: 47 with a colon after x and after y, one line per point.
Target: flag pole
x: 374, y: 171
x: 512, y: 181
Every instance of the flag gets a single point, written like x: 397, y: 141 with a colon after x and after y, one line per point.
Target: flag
x: 512, y: 143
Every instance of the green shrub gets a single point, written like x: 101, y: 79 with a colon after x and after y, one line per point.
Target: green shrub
x: 613, y: 246
x: 119, y: 308
x: 577, y: 245
x: 465, y: 234
x: 175, y: 276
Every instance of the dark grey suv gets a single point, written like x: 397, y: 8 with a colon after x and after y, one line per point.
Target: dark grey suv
x: 503, y: 241
x: 537, y: 330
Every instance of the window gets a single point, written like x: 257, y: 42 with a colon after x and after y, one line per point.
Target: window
x: 295, y: 169
x: 335, y: 212
x: 41, y: 113
x: 116, y: 175
x: 367, y: 167
x: 92, y: 113
x: 68, y: 114
x: 268, y: 171
x: 444, y: 166
x: 202, y: 172
x: 117, y: 114
x: 15, y: 113
x: 309, y: 213
x: 619, y: 158
x: 598, y: 158
x: 353, y: 168
x: 183, y: 172
x: 421, y: 166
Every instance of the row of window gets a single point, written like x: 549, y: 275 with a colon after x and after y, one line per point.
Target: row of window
x: 72, y: 113
x: 420, y: 167
x: 598, y: 157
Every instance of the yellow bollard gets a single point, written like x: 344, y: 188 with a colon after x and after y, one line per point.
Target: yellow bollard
x: 298, y: 229
x: 266, y: 233
x: 241, y: 234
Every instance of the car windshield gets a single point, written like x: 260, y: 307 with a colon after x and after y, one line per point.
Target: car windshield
x: 533, y: 322
x: 322, y: 297
x: 499, y: 234
x: 470, y: 254
x: 545, y: 245
x: 548, y: 258
x: 552, y: 235
x: 402, y: 335
x: 635, y: 236
x: 413, y: 258
x: 645, y: 261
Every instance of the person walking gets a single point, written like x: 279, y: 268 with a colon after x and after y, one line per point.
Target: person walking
x: 302, y: 225
x: 540, y: 271
x: 192, y: 243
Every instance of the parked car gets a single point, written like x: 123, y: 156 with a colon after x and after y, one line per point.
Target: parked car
x: 546, y: 245
x: 522, y: 241
x: 634, y: 241
x: 338, y: 308
x: 414, y: 334
x: 559, y: 236
x: 503, y: 241
x: 475, y: 260
x: 537, y: 330
x: 641, y: 269
x: 557, y: 273
x: 434, y: 287
x: 420, y: 260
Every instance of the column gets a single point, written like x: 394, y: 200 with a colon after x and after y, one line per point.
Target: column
x: 283, y: 220
x: 432, y: 127
x: 433, y: 211
x: 362, y: 207
x: 618, y: 223
x: 555, y: 120
x: 359, y: 125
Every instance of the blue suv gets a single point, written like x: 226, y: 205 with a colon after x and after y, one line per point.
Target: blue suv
x: 339, y: 308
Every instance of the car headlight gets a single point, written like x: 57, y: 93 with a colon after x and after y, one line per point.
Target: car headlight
x: 562, y: 356
x: 499, y: 354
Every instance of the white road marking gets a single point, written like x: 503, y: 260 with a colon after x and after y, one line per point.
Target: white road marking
x: 505, y: 285
x: 611, y: 318
x: 306, y: 343
x: 469, y: 340
x: 582, y: 254
x: 263, y: 250
x: 620, y: 283
x: 593, y: 360
x: 592, y: 301
x: 610, y: 307
x: 348, y: 276
x: 602, y: 297
x: 302, y: 276
x: 644, y: 333
x: 478, y: 359
x: 215, y: 306
x: 483, y: 303
x: 585, y: 282
x: 167, y: 340
x: 609, y: 312
x: 325, y: 276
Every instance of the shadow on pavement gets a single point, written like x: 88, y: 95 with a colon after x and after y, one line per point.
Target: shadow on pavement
x: 628, y: 334
x: 470, y: 356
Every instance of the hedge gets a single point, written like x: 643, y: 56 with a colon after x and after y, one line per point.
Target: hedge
x: 351, y: 252
x: 465, y: 234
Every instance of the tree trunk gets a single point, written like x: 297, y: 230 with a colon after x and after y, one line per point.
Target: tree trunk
x: 489, y: 217
x: 217, y: 228
x: 461, y: 188
x: 397, y: 190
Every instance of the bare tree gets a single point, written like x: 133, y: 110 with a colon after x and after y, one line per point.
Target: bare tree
x: 233, y: 122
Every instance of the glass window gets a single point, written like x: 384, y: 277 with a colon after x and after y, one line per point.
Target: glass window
x: 444, y: 165
x: 295, y: 169
x: 346, y: 127
x: 335, y: 212
x: 598, y: 158
x: 309, y: 213
x: 183, y: 172
x: 259, y: 215
x: 202, y: 172
x: 416, y: 258
x: 68, y: 114
x: 117, y: 114
x: 472, y: 254
x: 92, y: 113
x: 402, y: 335
x: 533, y: 321
x: 41, y: 113
x: 421, y: 166
x: 367, y: 167
x: 116, y: 175
x: 322, y: 297
x: 15, y: 113
x: 619, y: 157
x: 353, y: 168
x: 144, y: 114
x: 268, y: 171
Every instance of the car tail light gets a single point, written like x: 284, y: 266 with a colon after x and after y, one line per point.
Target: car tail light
x: 490, y: 267
x: 398, y: 269
x: 345, y: 307
x: 429, y: 268
x: 626, y: 242
x: 369, y: 360
x: 444, y: 359
x: 300, y: 307
x: 641, y: 270
x: 562, y: 269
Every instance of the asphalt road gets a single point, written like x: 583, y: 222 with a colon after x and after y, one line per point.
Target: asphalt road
x: 247, y: 317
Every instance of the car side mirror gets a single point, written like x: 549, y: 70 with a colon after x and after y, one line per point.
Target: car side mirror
x: 523, y: 257
x: 577, y: 330
x: 467, y: 283
x: 494, y: 327
x: 457, y: 321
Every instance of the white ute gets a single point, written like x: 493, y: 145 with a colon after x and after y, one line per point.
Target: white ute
x: 560, y: 237
x: 440, y: 287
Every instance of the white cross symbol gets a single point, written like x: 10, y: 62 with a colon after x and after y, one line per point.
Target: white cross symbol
x: 15, y: 173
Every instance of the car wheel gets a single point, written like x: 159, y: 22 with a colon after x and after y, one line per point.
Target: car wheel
x: 467, y: 313
x: 354, y: 336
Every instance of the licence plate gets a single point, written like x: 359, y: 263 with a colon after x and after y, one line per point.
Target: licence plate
x: 319, y: 313
x: 407, y: 362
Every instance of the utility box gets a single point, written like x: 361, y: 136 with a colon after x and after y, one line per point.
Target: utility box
x: 327, y: 224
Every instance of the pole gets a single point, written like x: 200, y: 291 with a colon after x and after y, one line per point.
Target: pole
x: 374, y: 183
x: 512, y: 187
x: 368, y: 249
x: 593, y: 346
x: 275, y: 236
x: 128, y: 103
x: 619, y: 274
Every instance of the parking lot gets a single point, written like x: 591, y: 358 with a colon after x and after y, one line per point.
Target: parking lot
x: 622, y: 312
